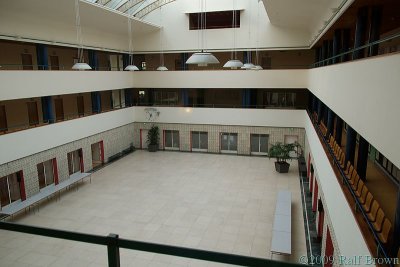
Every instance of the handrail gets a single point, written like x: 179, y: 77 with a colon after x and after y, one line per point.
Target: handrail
x: 113, y: 242
x: 325, y: 62
x: 380, y: 246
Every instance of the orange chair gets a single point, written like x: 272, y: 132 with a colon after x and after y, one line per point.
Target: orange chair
x: 360, y: 188
x: 363, y: 197
x: 355, y: 183
x: 383, y: 236
x: 348, y: 174
x: 347, y: 167
x: 368, y: 200
x: 380, y: 215
x: 372, y: 213
x: 342, y: 162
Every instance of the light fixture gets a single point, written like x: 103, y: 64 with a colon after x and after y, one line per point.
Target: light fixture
x: 248, y: 66
x: 257, y: 66
x: 80, y: 65
x: 233, y: 63
x: 131, y: 66
x: 202, y: 58
x: 162, y: 66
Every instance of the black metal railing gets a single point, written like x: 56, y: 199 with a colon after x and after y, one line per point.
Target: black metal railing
x: 114, y: 243
x: 380, y: 247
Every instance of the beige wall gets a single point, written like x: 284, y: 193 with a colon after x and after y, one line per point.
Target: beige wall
x: 65, y: 56
x: 70, y: 106
x: 17, y: 112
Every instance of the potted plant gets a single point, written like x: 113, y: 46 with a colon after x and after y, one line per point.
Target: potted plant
x: 282, y: 153
x: 153, y: 139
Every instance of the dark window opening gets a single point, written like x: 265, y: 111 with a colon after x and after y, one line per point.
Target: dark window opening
x: 213, y: 20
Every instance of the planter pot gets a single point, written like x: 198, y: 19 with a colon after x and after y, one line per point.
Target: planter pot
x: 282, y: 167
x: 152, y: 148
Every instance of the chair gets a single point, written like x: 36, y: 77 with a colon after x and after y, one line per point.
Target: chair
x: 360, y: 188
x: 372, y: 213
x: 383, y: 236
x: 363, y: 196
x: 368, y: 200
x: 355, y: 183
x: 342, y: 162
x: 348, y: 174
x: 347, y: 167
x: 380, y: 215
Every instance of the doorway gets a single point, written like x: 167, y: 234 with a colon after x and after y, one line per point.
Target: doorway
x: 97, y: 154
x: 75, y: 161
x: 33, y: 113
x: 10, y: 188
x: 229, y: 142
x: 59, y: 107
x: 143, y: 138
x: 54, y: 64
x: 45, y: 173
x: 27, y: 63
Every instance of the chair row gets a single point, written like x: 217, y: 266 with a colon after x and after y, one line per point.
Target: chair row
x: 371, y: 207
x: 323, y: 128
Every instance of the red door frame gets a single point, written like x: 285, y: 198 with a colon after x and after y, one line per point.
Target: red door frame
x: 55, y: 171
x: 321, y: 216
x: 81, y: 159
x: 101, y: 143
x: 328, y: 249
x: 22, y: 185
x: 315, y: 197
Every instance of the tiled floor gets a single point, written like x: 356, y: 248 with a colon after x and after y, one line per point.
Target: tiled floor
x: 213, y: 202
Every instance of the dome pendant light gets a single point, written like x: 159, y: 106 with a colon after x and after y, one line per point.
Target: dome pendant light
x: 257, y: 66
x: 131, y: 66
x: 162, y: 66
x: 248, y: 65
x: 233, y: 63
x: 80, y: 65
x: 202, y: 59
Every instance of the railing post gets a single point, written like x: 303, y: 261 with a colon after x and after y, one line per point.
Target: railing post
x: 113, y: 250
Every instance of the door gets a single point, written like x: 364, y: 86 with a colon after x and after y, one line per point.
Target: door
x: 9, y: 189
x: 97, y: 158
x: 229, y: 142
x: 33, y: 113
x: 259, y: 144
x: 3, y: 119
x: 143, y: 138
x: 58, y: 103
x: 27, y: 62
x: 171, y: 139
x: 81, y: 106
x: 54, y: 63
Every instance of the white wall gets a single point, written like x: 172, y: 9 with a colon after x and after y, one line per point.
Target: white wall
x: 348, y: 235
x: 25, y: 84
x: 365, y: 93
x: 226, y: 116
x: 28, y: 142
x: 221, y: 79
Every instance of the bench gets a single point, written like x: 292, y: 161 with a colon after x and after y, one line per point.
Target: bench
x: 282, y: 228
x: 46, y: 192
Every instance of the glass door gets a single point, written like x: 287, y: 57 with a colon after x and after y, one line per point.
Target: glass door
x: 229, y: 142
x: 9, y: 189
x: 200, y: 141
x: 171, y: 139
x: 259, y: 144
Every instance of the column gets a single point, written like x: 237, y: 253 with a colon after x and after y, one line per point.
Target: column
x: 93, y: 59
x: 184, y: 58
x: 42, y: 57
x: 337, y: 39
x: 317, y: 56
x: 185, y: 97
x: 96, y: 102
x: 339, y: 130
x: 125, y: 60
x: 330, y: 122
x: 361, y: 26
x: 362, y: 158
x: 128, y: 97
x: 320, y: 110
x: 350, y: 144
x: 374, y: 31
x: 345, y: 45
x: 47, y: 109
x: 324, y: 52
x: 330, y: 52
x: 245, y: 98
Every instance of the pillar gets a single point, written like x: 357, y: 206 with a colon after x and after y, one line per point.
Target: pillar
x: 345, y: 45
x: 128, y: 97
x: 47, y: 109
x: 361, y: 26
x: 96, y: 102
x: 324, y: 52
x: 336, y: 45
x: 350, y: 144
x: 320, y: 110
x: 125, y: 60
x: 245, y: 98
x: 362, y: 158
x: 338, y: 130
x: 185, y: 97
x: 330, y: 122
x: 42, y: 57
x: 93, y: 59
x: 317, y: 56
x: 184, y: 58
x: 330, y: 52
x: 374, y: 31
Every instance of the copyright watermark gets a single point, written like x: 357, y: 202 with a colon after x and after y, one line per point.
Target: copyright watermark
x: 347, y: 260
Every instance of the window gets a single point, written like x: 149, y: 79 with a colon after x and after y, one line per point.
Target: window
x: 199, y: 141
x: 97, y: 154
x: 143, y: 65
x: 171, y: 139
x: 10, y: 188
x: 45, y: 173
x: 75, y: 161
x: 213, y: 20
x: 118, y: 98
x: 229, y: 142
x: 259, y: 144
x: 388, y: 166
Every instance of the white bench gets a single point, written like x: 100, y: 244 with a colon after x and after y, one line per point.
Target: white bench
x: 282, y: 228
x: 47, y: 192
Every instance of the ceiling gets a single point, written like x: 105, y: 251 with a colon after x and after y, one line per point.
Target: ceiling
x: 310, y: 16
